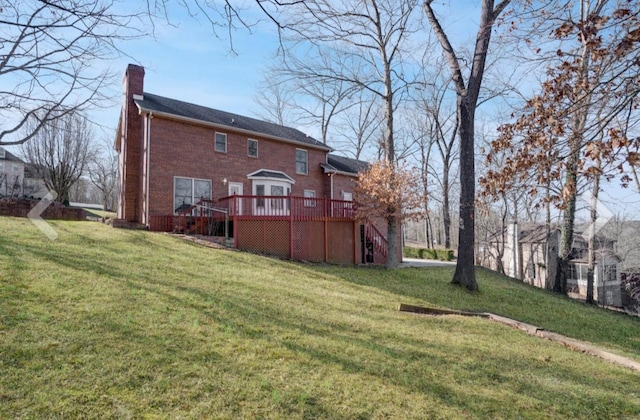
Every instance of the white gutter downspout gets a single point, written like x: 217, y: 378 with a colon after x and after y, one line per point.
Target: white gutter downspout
x: 331, y: 174
x: 148, y: 147
x: 331, y: 179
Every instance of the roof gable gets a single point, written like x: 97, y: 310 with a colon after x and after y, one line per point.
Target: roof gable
x: 345, y: 165
x: 267, y: 174
x: 10, y: 156
x: 160, y: 104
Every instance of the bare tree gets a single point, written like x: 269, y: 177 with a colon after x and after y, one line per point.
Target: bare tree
x: 576, y: 128
x: 10, y: 186
x: 60, y: 152
x: 366, y: 41
x: 467, y: 100
x: 275, y: 98
x: 49, y: 66
x: 358, y: 126
x: 103, y: 172
x: 443, y: 128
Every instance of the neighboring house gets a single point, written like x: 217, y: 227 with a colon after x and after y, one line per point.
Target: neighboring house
x: 530, y: 254
x: 181, y: 159
x: 33, y: 185
x: 18, y: 179
x: 627, y: 247
x: 11, y: 174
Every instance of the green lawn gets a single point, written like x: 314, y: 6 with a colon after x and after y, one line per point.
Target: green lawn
x: 94, y: 213
x: 126, y: 324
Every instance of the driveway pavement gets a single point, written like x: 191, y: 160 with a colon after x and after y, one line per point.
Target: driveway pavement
x: 416, y: 262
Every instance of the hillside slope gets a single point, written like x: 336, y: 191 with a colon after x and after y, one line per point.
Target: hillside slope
x: 113, y: 323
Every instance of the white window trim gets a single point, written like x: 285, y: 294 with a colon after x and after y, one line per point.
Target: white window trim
x: 257, y: 148
x: 192, y: 189
x: 268, y: 183
x: 346, y: 194
x: 238, y: 203
x: 215, y: 142
x: 306, y: 153
x: 270, y: 208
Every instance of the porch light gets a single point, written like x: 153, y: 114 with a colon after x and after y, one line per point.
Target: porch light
x: 224, y: 181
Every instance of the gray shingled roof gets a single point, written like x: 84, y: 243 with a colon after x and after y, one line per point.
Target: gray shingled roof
x: 345, y: 164
x: 11, y: 157
x: 155, y: 103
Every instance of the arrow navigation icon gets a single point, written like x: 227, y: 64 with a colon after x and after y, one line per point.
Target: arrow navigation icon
x: 37, y: 210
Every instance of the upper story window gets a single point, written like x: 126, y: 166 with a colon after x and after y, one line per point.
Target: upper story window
x: 3, y: 155
x: 1, y: 166
x: 221, y: 143
x: 16, y: 168
x: 302, y: 162
x: 252, y: 148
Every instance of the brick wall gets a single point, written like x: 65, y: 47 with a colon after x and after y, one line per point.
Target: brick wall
x: 184, y: 149
x: 20, y: 207
x: 341, y: 183
x: 187, y: 150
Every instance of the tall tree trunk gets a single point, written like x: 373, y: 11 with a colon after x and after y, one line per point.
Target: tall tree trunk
x: 566, y: 241
x: 392, y: 244
x: 548, y: 284
x: 592, y: 238
x: 465, y: 268
x: 576, y: 137
x: 390, y: 156
x: 446, y: 207
x: 467, y: 100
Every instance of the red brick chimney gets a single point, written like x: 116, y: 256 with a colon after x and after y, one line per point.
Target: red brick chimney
x: 130, y: 204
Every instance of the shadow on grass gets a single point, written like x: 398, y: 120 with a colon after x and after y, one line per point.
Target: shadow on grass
x: 288, y: 328
x: 502, y: 296
x: 412, y: 364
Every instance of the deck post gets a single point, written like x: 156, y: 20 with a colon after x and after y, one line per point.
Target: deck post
x: 290, y: 228
x: 326, y: 240
x: 235, y: 223
x: 355, y: 244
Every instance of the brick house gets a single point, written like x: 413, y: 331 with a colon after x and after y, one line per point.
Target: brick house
x: 176, y: 156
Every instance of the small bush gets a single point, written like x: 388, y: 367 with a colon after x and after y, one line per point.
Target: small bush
x: 428, y: 253
x: 411, y: 252
x: 444, y: 254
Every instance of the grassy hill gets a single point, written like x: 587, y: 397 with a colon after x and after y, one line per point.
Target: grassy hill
x: 125, y: 324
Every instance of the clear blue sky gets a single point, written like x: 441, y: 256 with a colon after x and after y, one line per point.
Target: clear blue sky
x: 186, y: 61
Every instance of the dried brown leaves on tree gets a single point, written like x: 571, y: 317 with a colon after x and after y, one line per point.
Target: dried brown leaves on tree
x: 387, y: 192
x: 577, y: 127
x: 600, y: 86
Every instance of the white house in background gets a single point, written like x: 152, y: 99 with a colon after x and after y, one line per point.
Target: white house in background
x: 530, y: 254
x: 17, y: 179
x: 11, y: 174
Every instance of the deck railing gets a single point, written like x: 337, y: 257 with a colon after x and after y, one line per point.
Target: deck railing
x: 292, y: 207
x: 285, y: 225
x: 379, y: 241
